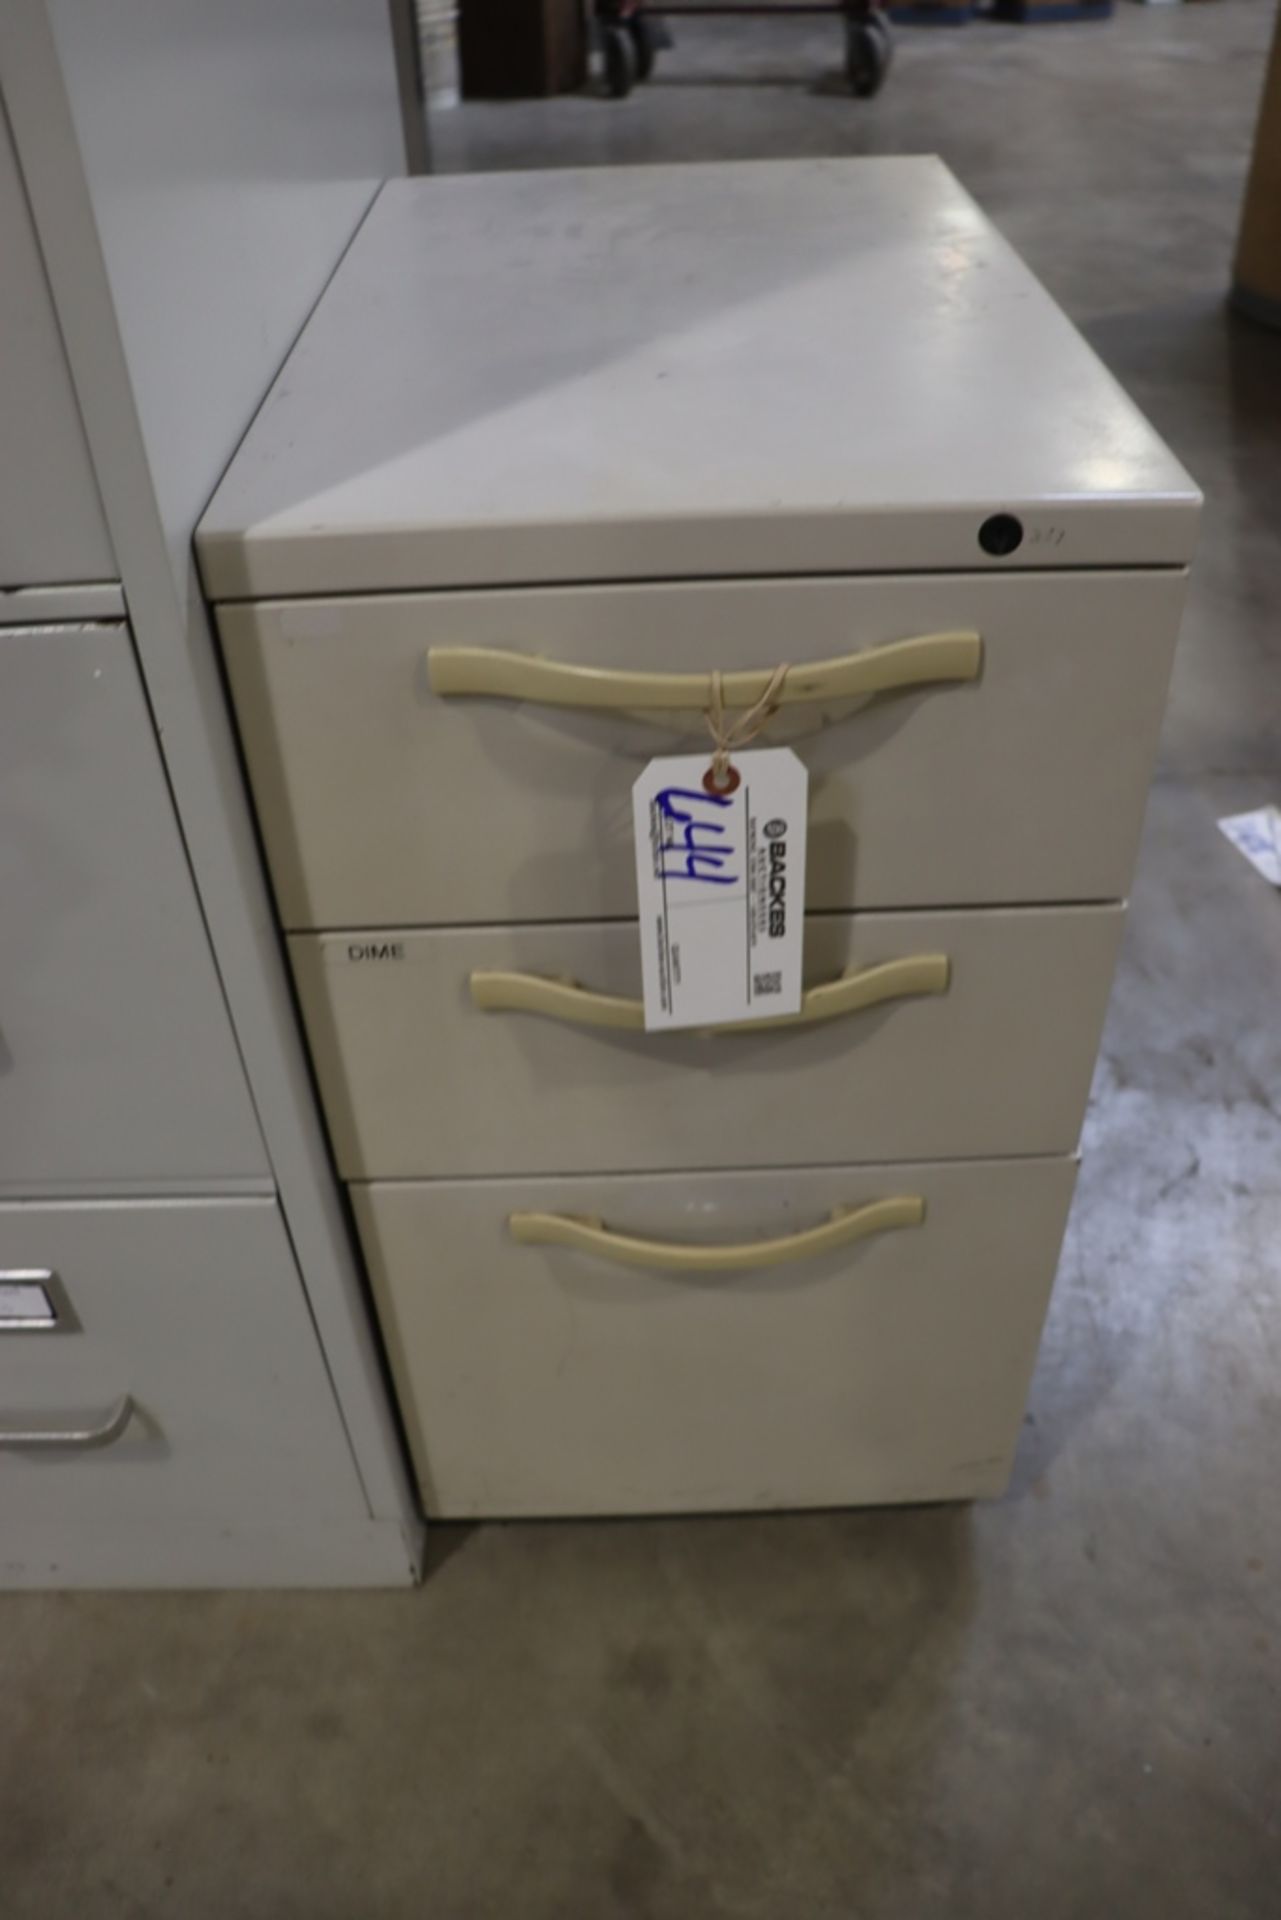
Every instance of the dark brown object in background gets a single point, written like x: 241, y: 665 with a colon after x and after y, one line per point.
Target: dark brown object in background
x: 516, y: 49
x: 1256, y: 282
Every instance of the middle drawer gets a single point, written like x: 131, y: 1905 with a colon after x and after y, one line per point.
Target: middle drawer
x: 928, y: 1036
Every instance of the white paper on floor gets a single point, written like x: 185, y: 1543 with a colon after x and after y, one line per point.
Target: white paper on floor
x: 1258, y: 836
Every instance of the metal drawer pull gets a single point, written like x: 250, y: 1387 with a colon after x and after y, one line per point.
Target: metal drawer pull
x: 845, y: 1226
x: 73, y: 1439
x: 913, y: 975
x: 503, y: 675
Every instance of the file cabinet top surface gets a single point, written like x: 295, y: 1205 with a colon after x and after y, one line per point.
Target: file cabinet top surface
x: 685, y: 371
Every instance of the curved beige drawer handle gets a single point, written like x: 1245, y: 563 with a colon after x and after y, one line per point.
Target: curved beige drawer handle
x: 844, y: 1226
x: 502, y: 675
x: 913, y: 975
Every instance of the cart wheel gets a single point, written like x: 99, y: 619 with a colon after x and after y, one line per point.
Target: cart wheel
x: 621, y: 64
x: 645, y: 44
x: 879, y: 21
x: 867, y: 58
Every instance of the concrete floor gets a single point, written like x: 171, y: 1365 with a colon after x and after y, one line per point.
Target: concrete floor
x: 1067, y: 1705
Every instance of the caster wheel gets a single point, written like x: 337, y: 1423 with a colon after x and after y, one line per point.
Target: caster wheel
x: 879, y: 22
x: 867, y: 58
x: 645, y: 44
x: 621, y: 64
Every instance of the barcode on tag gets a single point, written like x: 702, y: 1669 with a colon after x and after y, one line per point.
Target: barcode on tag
x: 721, y: 889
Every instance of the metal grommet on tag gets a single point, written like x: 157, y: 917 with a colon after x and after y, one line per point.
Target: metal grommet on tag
x: 721, y: 789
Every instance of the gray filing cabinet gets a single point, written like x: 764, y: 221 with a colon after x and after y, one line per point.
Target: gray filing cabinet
x: 167, y: 1415
x: 549, y: 433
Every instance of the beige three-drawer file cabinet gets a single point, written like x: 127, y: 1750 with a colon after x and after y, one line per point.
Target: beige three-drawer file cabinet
x: 658, y: 422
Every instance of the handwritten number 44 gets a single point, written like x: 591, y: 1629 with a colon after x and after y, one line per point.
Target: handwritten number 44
x: 693, y: 843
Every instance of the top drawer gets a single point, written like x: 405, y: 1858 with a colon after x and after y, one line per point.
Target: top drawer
x: 51, y: 524
x: 382, y: 803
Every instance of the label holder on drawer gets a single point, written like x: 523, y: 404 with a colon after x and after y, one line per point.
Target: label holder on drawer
x: 34, y: 1300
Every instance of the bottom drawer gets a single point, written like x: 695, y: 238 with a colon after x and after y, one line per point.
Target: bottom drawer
x: 179, y: 1393
x: 709, y: 1372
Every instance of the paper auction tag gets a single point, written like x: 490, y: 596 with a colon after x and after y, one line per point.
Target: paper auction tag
x: 1258, y: 835
x: 721, y: 878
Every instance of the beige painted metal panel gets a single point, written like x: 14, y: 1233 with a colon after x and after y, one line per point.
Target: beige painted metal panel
x: 51, y: 524
x: 192, y: 1328
x: 644, y: 372
x: 417, y: 1081
x: 354, y: 1552
x: 537, y: 1379
x: 382, y: 804
x: 119, y: 1069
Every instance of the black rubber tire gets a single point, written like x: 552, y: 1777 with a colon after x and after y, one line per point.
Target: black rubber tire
x: 619, y: 50
x: 645, y: 44
x: 867, y: 58
x: 879, y: 21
